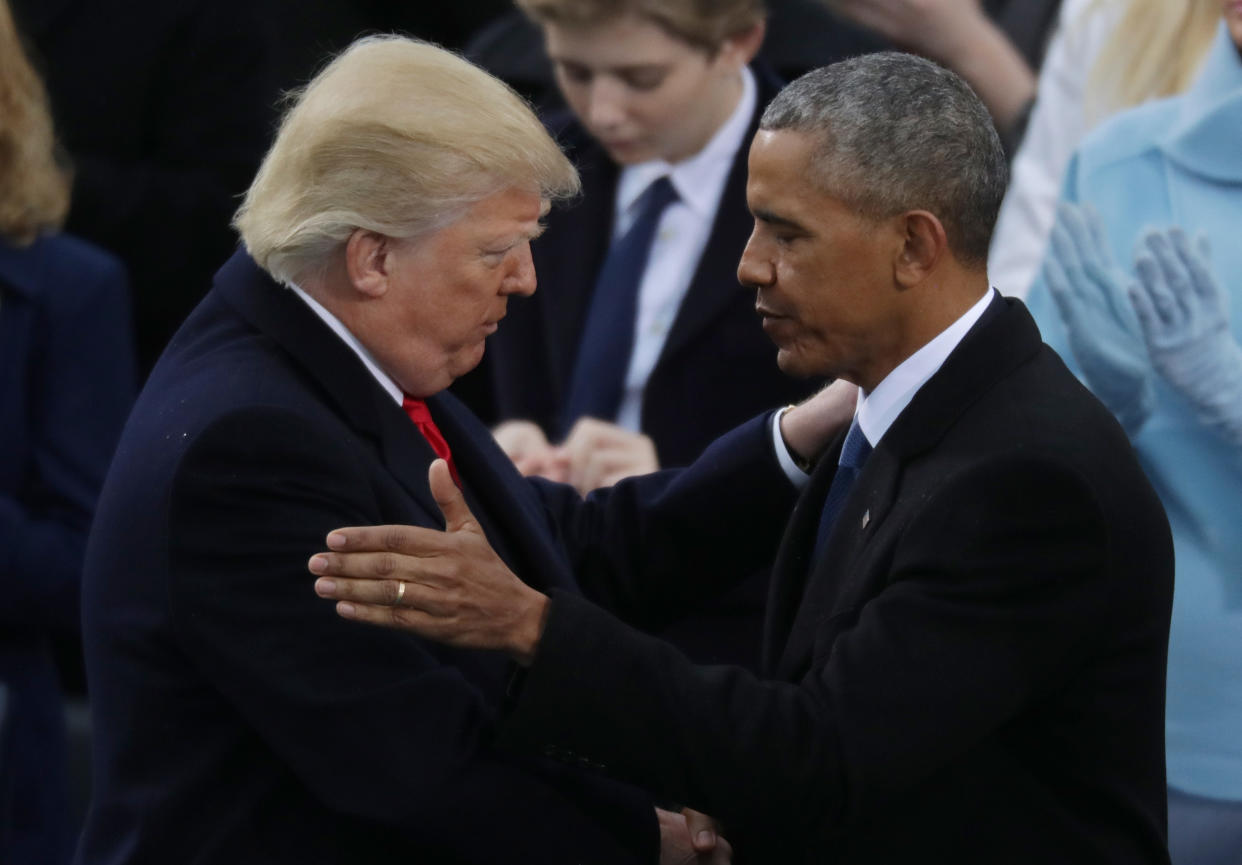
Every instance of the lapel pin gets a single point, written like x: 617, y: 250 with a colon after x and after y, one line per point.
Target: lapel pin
x: 866, y: 518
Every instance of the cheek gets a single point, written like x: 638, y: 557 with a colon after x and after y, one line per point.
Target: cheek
x: 575, y: 96
x: 671, y: 105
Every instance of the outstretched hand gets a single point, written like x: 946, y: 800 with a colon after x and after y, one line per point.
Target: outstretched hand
x: 683, y: 842
x: 448, y: 586
x: 812, y: 424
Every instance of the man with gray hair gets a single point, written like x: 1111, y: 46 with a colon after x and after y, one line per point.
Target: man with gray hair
x: 966, y: 635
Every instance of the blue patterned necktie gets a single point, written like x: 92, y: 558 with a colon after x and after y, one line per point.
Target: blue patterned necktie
x: 853, y: 454
x: 608, y: 337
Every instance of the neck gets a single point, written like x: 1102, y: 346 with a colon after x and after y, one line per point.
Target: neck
x: 930, y: 311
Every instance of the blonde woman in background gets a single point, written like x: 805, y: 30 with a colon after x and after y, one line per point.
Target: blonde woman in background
x: 1107, y: 55
x: 1134, y: 293
x: 66, y: 380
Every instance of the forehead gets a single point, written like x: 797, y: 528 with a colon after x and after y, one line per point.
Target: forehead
x: 625, y: 40
x: 515, y: 205
x: 511, y: 213
x: 779, y: 168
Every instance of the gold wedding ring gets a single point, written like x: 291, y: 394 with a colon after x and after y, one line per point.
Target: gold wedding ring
x: 400, y: 593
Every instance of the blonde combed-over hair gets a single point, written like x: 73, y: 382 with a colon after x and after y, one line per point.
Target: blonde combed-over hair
x: 705, y: 24
x: 395, y: 136
x: 34, y: 186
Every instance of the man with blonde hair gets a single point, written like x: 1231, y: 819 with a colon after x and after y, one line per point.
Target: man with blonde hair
x: 384, y: 234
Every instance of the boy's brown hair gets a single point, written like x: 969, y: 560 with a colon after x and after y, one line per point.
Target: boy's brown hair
x: 704, y: 24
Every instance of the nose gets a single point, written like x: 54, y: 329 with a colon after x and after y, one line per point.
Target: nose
x: 607, y: 105
x: 755, y: 270
x: 521, y: 277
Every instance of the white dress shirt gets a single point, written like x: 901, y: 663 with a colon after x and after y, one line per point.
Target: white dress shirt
x: 680, y: 239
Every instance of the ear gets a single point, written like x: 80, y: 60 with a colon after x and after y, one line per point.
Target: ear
x: 924, y: 245
x: 741, y: 48
x: 368, y: 261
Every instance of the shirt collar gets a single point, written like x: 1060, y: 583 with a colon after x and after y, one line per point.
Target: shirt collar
x: 391, y: 387
x: 878, y: 409
x: 1204, y: 138
x: 699, y: 178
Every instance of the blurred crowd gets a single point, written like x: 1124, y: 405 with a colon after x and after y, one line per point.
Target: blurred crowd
x: 130, y: 130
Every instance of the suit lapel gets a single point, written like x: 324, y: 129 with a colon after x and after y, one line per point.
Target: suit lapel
x: 570, y: 276
x: 511, y: 514
x: 835, y: 577
x: 789, y: 571
x: 1003, y: 338
x: 335, y: 369
x: 714, y: 286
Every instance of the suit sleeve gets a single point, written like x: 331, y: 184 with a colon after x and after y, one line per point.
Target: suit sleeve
x: 83, y: 386
x: 989, y: 603
x: 652, y: 548
x: 376, y: 724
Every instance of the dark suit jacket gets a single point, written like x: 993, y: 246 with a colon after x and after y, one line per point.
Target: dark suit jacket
x: 238, y: 718
x: 66, y: 383
x: 973, y: 672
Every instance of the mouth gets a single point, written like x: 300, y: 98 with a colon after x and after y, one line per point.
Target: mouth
x: 767, y: 313
x: 776, y: 325
x: 620, y: 145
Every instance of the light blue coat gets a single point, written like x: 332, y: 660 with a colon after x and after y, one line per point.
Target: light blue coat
x: 1179, y: 162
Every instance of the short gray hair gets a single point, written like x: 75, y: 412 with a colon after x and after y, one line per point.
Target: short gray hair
x: 896, y: 132
x: 395, y: 136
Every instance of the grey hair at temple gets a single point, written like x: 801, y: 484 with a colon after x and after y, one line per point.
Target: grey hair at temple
x: 895, y: 133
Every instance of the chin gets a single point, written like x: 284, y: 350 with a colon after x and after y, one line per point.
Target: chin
x: 793, y: 364
x: 798, y: 365
x: 466, y: 359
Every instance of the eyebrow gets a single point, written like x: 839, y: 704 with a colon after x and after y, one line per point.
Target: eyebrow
x: 771, y: 218
x: 628, y: 68
x: 510, y: 240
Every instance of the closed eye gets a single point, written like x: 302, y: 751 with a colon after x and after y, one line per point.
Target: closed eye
x: 574, y: 72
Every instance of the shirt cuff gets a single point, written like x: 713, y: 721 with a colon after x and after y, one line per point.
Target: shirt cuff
x: 796, y: 476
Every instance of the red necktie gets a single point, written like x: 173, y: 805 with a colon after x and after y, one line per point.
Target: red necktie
x: 418, y: 412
